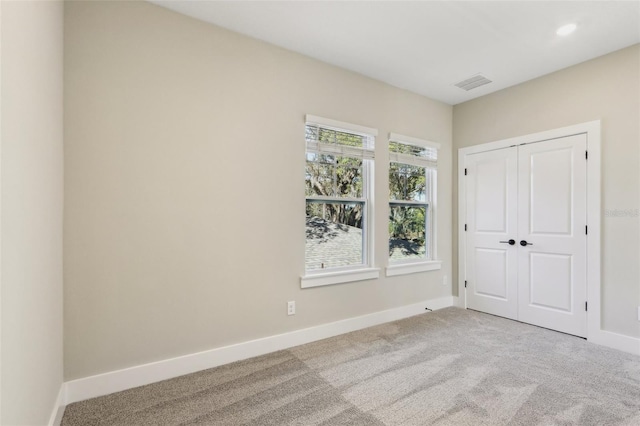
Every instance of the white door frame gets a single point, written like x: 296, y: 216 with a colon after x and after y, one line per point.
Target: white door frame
x: 592, y: 130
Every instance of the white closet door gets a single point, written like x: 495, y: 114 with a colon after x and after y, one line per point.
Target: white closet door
x: 552, y: 288
x: 491, y: 261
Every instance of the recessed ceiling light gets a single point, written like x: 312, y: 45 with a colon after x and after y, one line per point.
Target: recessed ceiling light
x: 566, y: 29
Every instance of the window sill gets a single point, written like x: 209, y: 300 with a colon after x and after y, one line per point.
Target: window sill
x: 413, y: 268
x: 338, y: 277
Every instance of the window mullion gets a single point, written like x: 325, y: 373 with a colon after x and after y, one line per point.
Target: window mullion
x: 367, y: 214
x: 409, y: 203
x: 335, y: 200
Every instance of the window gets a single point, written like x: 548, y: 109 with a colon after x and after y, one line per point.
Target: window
x: 412, y: 197
x: 338, y: 188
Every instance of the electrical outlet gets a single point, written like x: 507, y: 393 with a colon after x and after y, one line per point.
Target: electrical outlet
x: 291, y: 307
x: 445, y: 280
x: 638, y: 313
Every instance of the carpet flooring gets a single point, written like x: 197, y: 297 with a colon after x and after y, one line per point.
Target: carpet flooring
x: 449, y: 367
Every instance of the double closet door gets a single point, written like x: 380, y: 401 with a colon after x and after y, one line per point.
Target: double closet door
x: 526, y: 233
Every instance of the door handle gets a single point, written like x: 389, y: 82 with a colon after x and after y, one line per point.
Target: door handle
x: 510, y: 242
x: 524, y: 243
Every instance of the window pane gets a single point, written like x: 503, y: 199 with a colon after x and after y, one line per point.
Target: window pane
x: 407, y: 235
x: 407, y: 182
x: 319, y: 176
x: 334, y: 235
x: 333, y: 176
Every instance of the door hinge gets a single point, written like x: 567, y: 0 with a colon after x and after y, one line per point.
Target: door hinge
x: 465, y: 284
x: 585, y: 306
x: 586, y: 155
x: 586, y: 230
x: 465, y: 171
x: 465, y: 227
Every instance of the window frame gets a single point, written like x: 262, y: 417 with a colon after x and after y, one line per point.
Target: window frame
x: 365, y: 270
x: 430, y: 263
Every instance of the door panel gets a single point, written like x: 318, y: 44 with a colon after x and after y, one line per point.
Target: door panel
x: 491, y: 218
x: 550, y: 191
x: 552, y: 286
x: 491, y: 196
x: 491, y: 281
x: 547, y: 273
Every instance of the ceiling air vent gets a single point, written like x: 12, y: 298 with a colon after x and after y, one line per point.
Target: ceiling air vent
x: 473, y: 82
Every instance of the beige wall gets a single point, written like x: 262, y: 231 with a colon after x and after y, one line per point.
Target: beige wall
x: 31, y: 188
x: 607, y: 89
x: 184, y: 226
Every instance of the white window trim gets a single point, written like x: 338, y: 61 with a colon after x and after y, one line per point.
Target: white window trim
x: 412, y: 266
x: 338, y: 277
x: 366, y: 270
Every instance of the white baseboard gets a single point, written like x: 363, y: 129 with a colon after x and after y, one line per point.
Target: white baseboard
x: 58, y: 408
x: 115, y: 381
x: 616, y: 341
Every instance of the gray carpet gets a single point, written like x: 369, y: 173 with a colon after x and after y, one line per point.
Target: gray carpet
x: 449, y: 367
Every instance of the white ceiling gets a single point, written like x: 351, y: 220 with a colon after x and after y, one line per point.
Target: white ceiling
x: 428, y: 46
